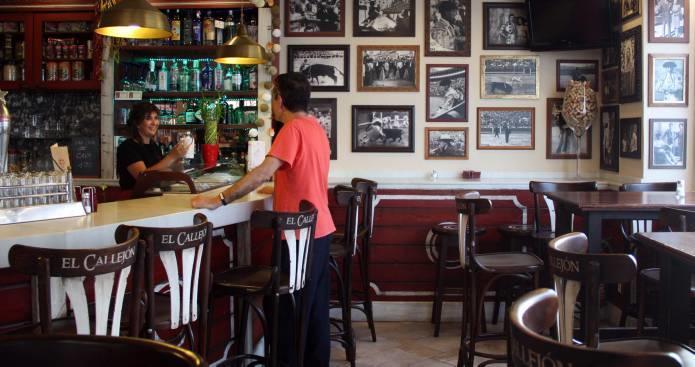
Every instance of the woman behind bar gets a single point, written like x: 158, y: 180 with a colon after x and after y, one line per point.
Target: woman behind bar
x: 140, y: 153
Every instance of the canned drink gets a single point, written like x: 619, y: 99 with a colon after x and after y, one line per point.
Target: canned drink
x: 65, y: 49
x: 9, y: 72
x: 73, y: 51
x: 81, y: 52
x: 58, y: 51
x: 64, y: 71
x: 77, y: 70
x: 49, y: 51
x: 51, y: 71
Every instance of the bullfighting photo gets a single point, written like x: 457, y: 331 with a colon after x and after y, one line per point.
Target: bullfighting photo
x: 326, y: 66
x: 382, y: 129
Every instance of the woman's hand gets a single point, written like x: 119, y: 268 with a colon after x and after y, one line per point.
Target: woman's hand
x: 206, y: 202
x: 180, y: 149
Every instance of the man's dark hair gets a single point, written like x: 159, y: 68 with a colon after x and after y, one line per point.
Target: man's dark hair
x: 138, y: 114
x: 295, y: 90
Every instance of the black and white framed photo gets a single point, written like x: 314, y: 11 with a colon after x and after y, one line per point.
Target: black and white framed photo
x: 668, y: 80
x: 631, y: 65
x: 610, y: 86
x: 383, y: 18
x: 580, y: 70
x: 669, y: 21
x: 505, y: 26
x: 630, y: 9
x: 388, y: 68
x: 383, y: 129
x: 447, y: 93
x: 610, y: 57
x: 631, y: 138
x: 326, y: 111
x: 448, y: 28
x: 667, y: 143
x: 610, y: 138
x: 560, y: 142
x: 509, y: 77
x: 326, y: 66
x: 446, y: 143
x: 311, y: 18
x: 506, y: 128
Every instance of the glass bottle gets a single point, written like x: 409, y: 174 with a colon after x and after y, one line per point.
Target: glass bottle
x: 236, y: 78
x: 252, y: 29
x: 184, y: 78
x: 197, y: 29
x: 187, y: 29
x: 151, y: 80
x: 219, y: 30
x: 244, y: 78
x: 190, y: 113
x: 195, y: 76
x: 227, y: 84
x: 218, y: 77
x: 163, y: 78
x: 253, y: 77
x: 229, y: 27
x: 206, y: 77
x: 208, y: 29
x: 176, y: 29
x: 174, y: 77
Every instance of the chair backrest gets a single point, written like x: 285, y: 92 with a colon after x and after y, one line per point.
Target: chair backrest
x: 677, y: 220
x: 148, y: 179
x: 573, y: 268
x: 106, y: 269
x: 628, y: 227
x: 351, y: 200
x: 534, y: 313
x: 188, y: 285
x: 540, y: 188
x: 297, y: 228
x: 102, y: 351
x: 368, y: 189
x: 468, y: 206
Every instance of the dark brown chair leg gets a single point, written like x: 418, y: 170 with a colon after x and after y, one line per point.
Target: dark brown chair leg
x: 439, y: 287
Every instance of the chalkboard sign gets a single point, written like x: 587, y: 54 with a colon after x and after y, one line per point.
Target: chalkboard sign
x: 85, y: 156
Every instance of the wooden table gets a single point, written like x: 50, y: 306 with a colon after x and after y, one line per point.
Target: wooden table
x: 677, y: 259
x: 599, y: 205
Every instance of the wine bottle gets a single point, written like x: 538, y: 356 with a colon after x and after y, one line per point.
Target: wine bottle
x: 151, y: 79
x: 163, y: 78
x: 229, y: 27
x: 195, y: 76
x: 187, y: 29
x: 227, y: 84
x: 236, y: 78
x: 244, y: 78
x: 176, y: 29
x: 184, y: 78
x: 208, y: 29
x: 219, y: 30
x: 197, y: 29
x: 218, y: 77
x: 206, y: 77
x: 174, y: 77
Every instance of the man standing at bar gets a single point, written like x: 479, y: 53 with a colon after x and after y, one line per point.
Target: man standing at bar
x: 299, y: 158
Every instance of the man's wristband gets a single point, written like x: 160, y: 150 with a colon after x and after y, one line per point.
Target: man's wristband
x: 224, y: 202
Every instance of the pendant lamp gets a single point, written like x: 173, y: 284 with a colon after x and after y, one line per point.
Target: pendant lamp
x: 241, y: 50
x: 134, y: 19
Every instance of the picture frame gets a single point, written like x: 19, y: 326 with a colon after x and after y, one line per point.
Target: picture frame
x: 381, y: 128
x: 450, y: 33
x: 370, y: 20
x: 609, y: 141
x: 610, y: 86
x: 326, y: 66
x: 326, y: 111
x: 505, y: 26
x: 447, y: 93
x: 668, y: 143
x: 513, y: 77
x: 304, y: 18
x: 450, y: 143
x: 566, y: 70
x: 610, y: 57
x: 496, y: 127
x: 630, y: 9
x: 560, y: 142
x: 631, y: 138
x: 631, y: 65
x: 668, y: 80
x: 669, y: 24
x: 380, y: 70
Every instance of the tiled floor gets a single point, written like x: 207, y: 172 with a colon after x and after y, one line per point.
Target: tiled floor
x: 408, y: 344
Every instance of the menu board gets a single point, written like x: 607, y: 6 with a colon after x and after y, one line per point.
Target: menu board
x: 85, y: 156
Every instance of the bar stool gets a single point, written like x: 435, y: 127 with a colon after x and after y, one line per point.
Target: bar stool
x: 492, y: 266
x: 247, y: 282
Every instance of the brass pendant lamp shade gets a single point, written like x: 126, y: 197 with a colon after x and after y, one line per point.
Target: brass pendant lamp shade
x: 241, y: 50
x: 134, y: 19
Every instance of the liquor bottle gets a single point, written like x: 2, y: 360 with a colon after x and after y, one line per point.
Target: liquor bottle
x: 163, y: 78
x: 197, y: 29
x: 253, y: 78
x: 229, y: 27
x: 190, y: 113
x: 252, y: 29
x: 227, y: 84
x: 219, y: 30
x: 176, y: 29
x: 174, y: 77
x: 184, y: 78
x: 206, y: 77
x: 218, y: 77
x: 151, y: 79
x: 208, y: 29
x: 244, y: 78
x: 187, y: 29
x: 236, y: 78
x: 195, y: 76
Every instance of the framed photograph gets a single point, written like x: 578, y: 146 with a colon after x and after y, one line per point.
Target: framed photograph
x: 669, y: 21
x: 509, y: 128
x: 388, y: 68
x: 326, y: 66
x: 390, y: 18
x: 560, y: 141
x: 610, y: 57
x: 581, y: 70
x: 505, y: 26
x: 630, y: 9
x: 326, y: 111
x: 668, y: 80
x: 448, y: 28
x: 509, y: 77
x: 609, y: 138
x: 631, y: 138
x: 446, y: 143
x: 631, y: 65
x: 383, y: 129
x: 308, y: 18
x: 667, y: 143
x: 610, y: 86
x: 447, y: 93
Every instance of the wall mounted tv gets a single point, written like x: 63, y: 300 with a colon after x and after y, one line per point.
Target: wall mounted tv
x: 570, y: 24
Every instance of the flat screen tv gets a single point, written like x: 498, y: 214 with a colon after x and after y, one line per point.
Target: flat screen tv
x: 570, y: 24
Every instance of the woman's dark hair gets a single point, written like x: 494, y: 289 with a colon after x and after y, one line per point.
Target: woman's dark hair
x: 295, y: 90
x: 138, y: 114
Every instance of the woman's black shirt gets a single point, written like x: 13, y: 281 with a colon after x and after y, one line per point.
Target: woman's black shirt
x: 129, y: 152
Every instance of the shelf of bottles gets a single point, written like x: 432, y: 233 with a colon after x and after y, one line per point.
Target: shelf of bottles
x: 12, y: 52
x: 67, y: 49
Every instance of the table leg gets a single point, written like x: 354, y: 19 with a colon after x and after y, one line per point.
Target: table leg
x: 563, y: 219
x: 674, y: 302
x: 593, y: 231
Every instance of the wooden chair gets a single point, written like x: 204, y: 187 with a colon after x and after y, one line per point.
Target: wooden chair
x: 537, y: 311
x: 247, y: 282
x: 150, y: 179
x: 175, y: 304
x: 68, y: 277
x: 573, y: 268
x: 546, y: 232
x: 102, y: 351
x: 491, y: 267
